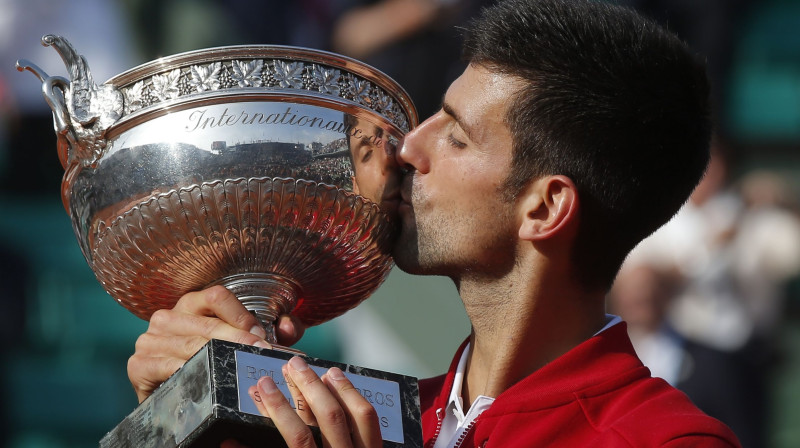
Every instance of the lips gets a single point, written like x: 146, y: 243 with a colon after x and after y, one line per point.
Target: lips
x: 394, y: 195
x: 391, y: 201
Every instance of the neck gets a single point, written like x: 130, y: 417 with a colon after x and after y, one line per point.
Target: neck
x: 519, y: 324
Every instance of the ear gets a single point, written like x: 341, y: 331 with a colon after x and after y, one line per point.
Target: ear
x: 549, y: 208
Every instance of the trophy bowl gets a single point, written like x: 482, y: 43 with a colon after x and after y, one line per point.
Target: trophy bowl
x: 266, y: 169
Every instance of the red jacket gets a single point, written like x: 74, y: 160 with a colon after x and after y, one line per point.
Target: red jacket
x: 596, y: 395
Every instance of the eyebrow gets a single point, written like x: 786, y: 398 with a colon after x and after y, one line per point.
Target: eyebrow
x: 448, y: 109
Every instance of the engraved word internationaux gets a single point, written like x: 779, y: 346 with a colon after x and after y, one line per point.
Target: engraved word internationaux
x: 200, y: 119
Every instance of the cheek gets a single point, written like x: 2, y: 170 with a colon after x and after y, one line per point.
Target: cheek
x: 485, y: 175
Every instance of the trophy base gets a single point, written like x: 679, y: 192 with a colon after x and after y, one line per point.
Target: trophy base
x: 206, y: 402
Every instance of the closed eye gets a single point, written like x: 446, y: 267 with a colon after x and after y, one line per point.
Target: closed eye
x: 455, y: 143
x: 367, y: 155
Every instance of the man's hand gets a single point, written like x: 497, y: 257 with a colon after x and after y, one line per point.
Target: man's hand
x: 175, y: 335
x: 345, y: 418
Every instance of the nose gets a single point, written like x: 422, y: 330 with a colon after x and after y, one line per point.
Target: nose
x: 412, y: 154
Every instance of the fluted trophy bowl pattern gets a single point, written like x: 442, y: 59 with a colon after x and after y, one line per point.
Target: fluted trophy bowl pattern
x: 266, y: 169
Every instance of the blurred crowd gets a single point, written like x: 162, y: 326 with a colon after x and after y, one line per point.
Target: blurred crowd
x: 703, y: 297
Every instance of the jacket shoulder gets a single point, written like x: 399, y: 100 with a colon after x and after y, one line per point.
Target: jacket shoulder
x: 650, y: 412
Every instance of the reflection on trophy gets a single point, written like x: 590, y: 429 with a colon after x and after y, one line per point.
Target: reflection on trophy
x: 266, y: 169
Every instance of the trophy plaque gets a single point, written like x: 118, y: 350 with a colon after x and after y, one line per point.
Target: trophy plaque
x: 269, y: 170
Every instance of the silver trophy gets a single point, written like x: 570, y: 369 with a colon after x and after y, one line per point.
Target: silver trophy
x: 266, y: 169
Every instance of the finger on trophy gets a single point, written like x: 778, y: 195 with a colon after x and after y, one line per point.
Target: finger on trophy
x: 273, y: 404
x: 300, y: 402
x: 362, y: 416
x: 217, y: 301
x: 289, y: 329
x: 181, y: 347
x: 318, y: 402
x: 174, y: 323
x: 146, y: 373
x: 255, y: 395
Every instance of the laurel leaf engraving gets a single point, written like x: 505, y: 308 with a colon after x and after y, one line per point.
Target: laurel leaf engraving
x: 248, y: 74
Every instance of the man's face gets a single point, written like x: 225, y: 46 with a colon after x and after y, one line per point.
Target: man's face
x: 376, y: 174
x: 453, y: 216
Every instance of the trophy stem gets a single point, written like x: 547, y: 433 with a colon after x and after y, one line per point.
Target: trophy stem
x: 266, y: 295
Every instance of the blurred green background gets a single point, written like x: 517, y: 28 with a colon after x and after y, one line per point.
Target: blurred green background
x: 65, y: 342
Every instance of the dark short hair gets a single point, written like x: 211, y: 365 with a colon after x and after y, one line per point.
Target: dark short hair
x: 614, y: 102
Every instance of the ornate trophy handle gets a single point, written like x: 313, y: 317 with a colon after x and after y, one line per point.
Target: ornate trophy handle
x: 53, y: 89
x: 82, y: 111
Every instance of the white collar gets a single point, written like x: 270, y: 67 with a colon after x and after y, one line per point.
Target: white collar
x: 456, y: 402
x: 611, y: 320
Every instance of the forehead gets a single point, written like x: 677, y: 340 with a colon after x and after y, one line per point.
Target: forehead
x: 481, y: 97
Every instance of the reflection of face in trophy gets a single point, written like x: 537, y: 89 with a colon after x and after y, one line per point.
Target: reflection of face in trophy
x: 376, y: 175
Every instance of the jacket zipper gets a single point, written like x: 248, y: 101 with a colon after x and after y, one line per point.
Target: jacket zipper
x: 464, y: 434
x: 440, y: 418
